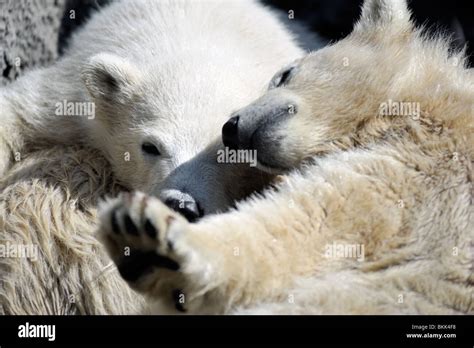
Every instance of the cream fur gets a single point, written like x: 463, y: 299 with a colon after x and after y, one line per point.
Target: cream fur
x: 166, y: 72
x: 400, y: 186
x: 178, y: 68
x: 48, y: 201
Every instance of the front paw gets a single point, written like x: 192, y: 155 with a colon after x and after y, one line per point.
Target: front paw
x: 154, y: 252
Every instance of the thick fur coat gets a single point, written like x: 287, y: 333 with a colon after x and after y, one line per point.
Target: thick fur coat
x: 149, y: 85
x: 375, y: 212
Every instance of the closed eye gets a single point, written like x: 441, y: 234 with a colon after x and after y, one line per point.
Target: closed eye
x: 284, y: 77
x: 150, y: 149
x: 281, y: 79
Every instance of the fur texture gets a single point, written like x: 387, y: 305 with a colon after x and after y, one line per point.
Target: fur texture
x: 166, y: 73
x: 396, y: 183
x: 131, y: 69
x: 48, y: 201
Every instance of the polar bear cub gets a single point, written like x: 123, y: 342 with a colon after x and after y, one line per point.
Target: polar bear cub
x: 363, y: 167
x: 150, y: 83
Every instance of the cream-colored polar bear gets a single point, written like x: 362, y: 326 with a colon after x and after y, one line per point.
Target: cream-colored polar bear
x: 149, y: 84
x: 378, y: 217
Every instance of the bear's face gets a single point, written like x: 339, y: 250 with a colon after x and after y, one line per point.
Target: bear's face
x: 159, y: 126
x: 330, y: 100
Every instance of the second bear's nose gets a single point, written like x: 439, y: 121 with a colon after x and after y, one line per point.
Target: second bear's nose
x: 230, y: 133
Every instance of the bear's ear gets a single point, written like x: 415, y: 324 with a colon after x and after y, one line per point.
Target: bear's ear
x: 385, y: 16
x: 110, y: 78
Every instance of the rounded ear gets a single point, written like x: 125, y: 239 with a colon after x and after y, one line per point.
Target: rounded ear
x: 390, y: 17
x: 110, y: 78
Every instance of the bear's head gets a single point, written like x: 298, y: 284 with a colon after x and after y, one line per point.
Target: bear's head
x: 159, y: 126
x: 385, y: 79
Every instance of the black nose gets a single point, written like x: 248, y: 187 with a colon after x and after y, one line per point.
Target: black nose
x: 190, y: 209
x: 230, y: 133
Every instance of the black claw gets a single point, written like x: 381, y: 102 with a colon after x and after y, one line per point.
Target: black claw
x: 114, y: 222
x: 139, y: 263
x: 150, y: 229
x: 129, y: 225
x: 165, y: 262
x: 134, y: 266
x: 176, y: 294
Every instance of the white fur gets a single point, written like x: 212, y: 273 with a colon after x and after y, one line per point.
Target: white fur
x: 398, y: 185
x: 180, y: 68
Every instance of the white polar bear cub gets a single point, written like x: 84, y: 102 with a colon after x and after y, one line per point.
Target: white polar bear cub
x: 379, y: 217
x: 150, y: 84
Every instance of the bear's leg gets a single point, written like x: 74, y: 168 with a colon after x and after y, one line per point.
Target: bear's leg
x: 29, y: 111
x: 10, y: 137
x: 5, y: 156
x: 254, y: 253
